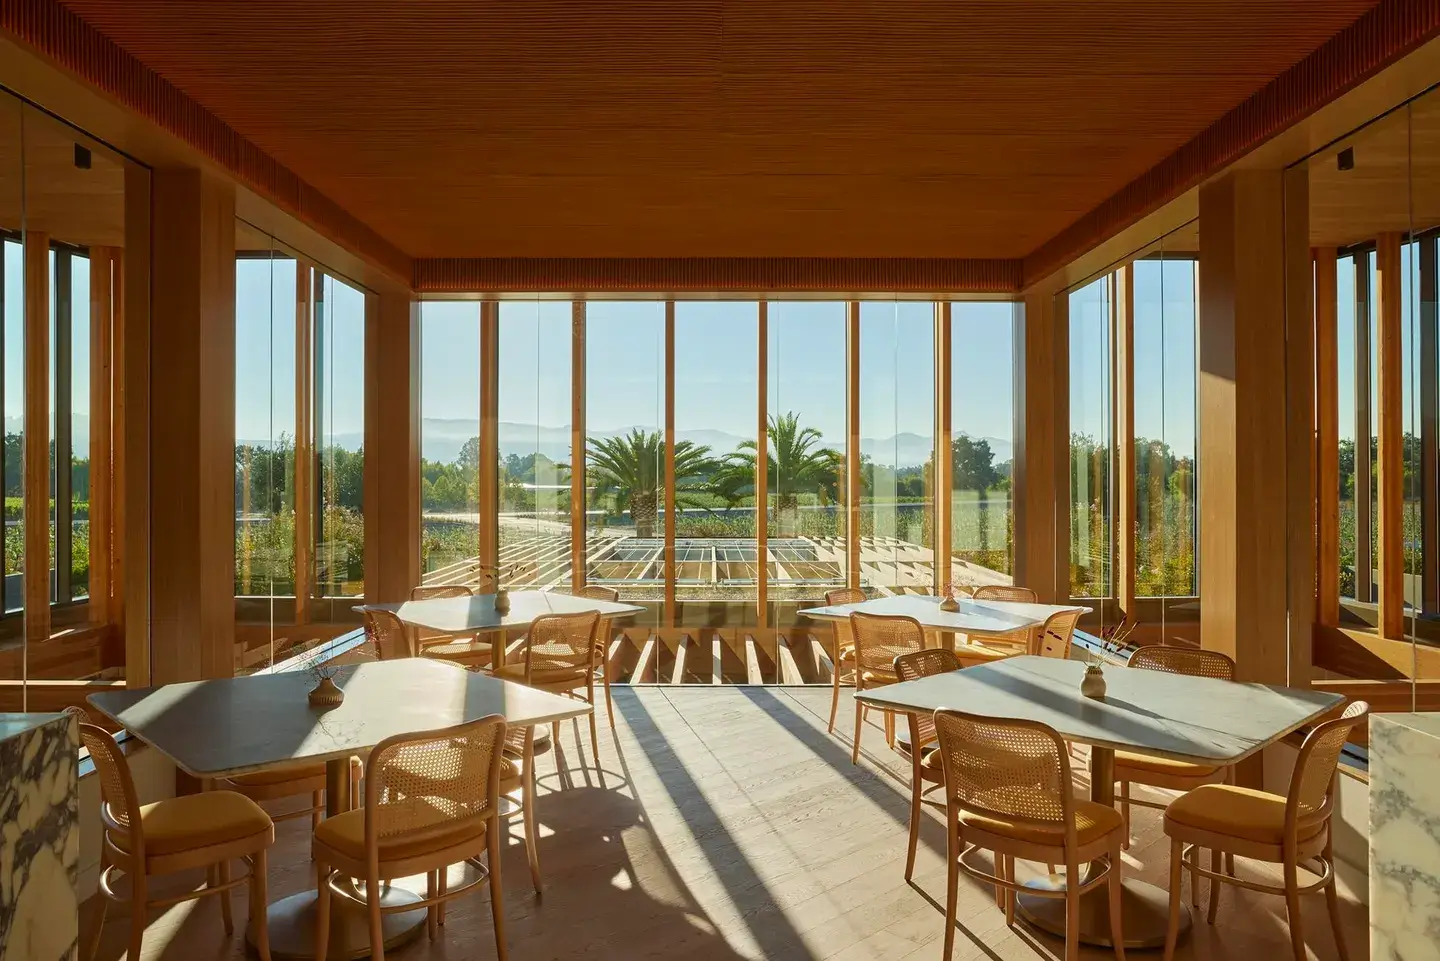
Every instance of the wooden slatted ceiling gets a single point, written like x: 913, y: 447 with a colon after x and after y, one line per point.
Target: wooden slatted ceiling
x: 720, y: 128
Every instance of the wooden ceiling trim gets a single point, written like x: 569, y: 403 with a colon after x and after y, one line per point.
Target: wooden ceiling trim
x: 715, y: 275
x: 65, y: 39
x: 1378, y: 38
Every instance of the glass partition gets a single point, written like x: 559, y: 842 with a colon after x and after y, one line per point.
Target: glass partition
x: 450, y: 442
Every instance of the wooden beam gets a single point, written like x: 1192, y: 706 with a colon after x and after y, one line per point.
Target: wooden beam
x: 785, y: 662
x: 1391, y: 466
x: 132, y: 573
x: 753, y: 674
x: 1364, y: 478
x: 1042, y: 446
x: 1429, y: 423
x: 392, y: 445
x: 671, y: 617
x: 102, y: 489
x: 1122, y: 305
x: 577, y: 447
x: 852, y: 445
x: 305, y: 460
x: 489, y: 480
x: 682, y: 651
x: 36, y: 485
x: 1327, y: 440
x: 1299, y: 443
x: 821, y: 668
x: 762, y: 468
x: 940, y: 481
x: 717, y: 660
x: 646, y: 667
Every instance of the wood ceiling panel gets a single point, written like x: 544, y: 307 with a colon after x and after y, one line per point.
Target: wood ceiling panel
x: 719, y: 127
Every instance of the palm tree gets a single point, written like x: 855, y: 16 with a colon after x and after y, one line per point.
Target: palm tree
x: 632, y: 467
x: 797, y: 464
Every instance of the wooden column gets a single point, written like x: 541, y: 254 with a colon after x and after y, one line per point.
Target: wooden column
x: 1123, y: 304
x: 1327, y: 441
x: 392, y: 445
x: 1300, y: 531
x: 36, y: 475
x: 940, y: 480
x: 852, y: 445
x: 1391, y: 454
x: 489, y: 483
x: 1364, y: 477
x: 193, y: 427
x: 103, y: 263
x: 132, y: 572
x: 578, y: 517
x: 667, y: 500
x: 1042, y: 446
x: 1429, y: 422
x: 1242, y: 515
x: 305, y: 462
x: 762, y: 467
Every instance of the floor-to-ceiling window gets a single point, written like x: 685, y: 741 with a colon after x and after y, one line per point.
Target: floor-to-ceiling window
x: 450, y: 375
x: 1091, y: 447
x: 982, y: 443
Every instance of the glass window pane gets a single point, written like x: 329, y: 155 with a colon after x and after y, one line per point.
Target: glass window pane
x: 450, y: 442
x: 1090, y: 441
x: 340, y: 444
x: 982, y: 424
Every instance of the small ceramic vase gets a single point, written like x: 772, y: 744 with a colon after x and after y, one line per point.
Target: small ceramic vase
x: 950, y: 605
x: 1093, y: 684
x: 502, y: 602
x: 326, y: 694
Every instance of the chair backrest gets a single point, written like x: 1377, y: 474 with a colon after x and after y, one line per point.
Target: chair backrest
x: 119, y: 807
x: 598, y: 592
x: 417, y: 782
x: 1314, y: 776
x: 1009, y: 769
x: 561, y: 642
x: 1005, y: 592
x: 880, y: 638
x: 1184, y: 660
x: 1052, y: 639
x: 387, y: 632
x: 428, y: 592
x: 835, y: 598
x: 918, y: 664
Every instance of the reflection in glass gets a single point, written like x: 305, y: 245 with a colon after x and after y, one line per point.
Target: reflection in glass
x: 1091, y: 546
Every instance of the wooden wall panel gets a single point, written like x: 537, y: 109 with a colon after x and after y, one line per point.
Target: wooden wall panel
x: 1042, y: 417
x: 132, y: 447
x: 1300, y: 397
x: 392, y: 447
x: 103, y: 264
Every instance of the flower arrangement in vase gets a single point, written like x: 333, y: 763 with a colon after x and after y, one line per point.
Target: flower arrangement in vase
x: 949, y: 603
x: 326, y: 693
x: 496, y: 573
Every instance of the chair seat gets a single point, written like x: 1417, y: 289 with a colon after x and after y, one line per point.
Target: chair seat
x: 345, y: 834
x: 1234, y: 811
x: 456, y: 648
x: 196, y: 821
x: 563, y: 677
x: 1126, y: 762
x: 878, y: 677
x: 1093, y: 821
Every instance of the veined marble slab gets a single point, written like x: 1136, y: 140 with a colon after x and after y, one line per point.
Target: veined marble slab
x: 1405, y: 837
x: 39, y: 837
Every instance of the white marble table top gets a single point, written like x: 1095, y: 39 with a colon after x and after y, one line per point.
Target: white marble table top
x: 974, y: 617
x: 241, y: 725
x: 1196, y: 719
x: 465, y: 615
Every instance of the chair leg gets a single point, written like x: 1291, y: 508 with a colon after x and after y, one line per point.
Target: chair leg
x: 444, y: 874
x: 431, y: 911
x: 322, y: 911
x: 1292, y: 910
x: 1009, y: 895
x: 859, y: 720
x: 1172, y: 932
x: 1115, y: 888
x: 952, y: 886
x: 594, y: 740
x: 497, y: 899
x: 532, y: 831
x: 1195, y: 881
x: 376, y: 919
x: 1072, y: 911
x: 916, y: 788
x: 834, y: 692
x: 137, y: 914
x: 315, y: 808
x: 259, y: 904
x: 1332, y: 903
x: 1216, y: 859
x: 223, y: 871
x: 889, y: 729
x: 94, y: 950
x: 555, y: 742
x: 1125, y: 810
x: 609, y: 705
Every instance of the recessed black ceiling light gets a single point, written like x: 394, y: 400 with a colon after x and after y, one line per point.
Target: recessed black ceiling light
x: 1345, y: 160
x: 82, y: 157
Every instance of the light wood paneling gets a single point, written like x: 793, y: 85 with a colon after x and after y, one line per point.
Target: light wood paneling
x: 1390, y: 455
x: 1242, y: 512
x: 1300, y: 529
x: 132, y: 448
x: 1042, y: 523
x: 193, y: 422
x: 392, y: 446
x: 102, y: 488
x: 36, y: 475
x: 1327, y: 440
x: 1122, y: 302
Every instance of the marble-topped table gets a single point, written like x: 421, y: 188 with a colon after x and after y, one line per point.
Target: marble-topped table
x: 974, y: 619
x: 461, y: 616
x: 1405, y: 837
x: 1197, y: 719
x: 221, y: 728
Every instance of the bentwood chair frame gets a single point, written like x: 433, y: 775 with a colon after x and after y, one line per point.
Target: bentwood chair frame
x: 879, y: 639
x: 1019, y: 640
x: 1193, y: 662
x: 454, y: 786
x: 1017, y: 772
x: 603, y: 636
x: 558, y: 656
x: 926, y: 774
x: 461, y: 648
x: 1309, y: 803
x: 842, y: 644
x: 1055, y: 636
x: 120, y: 817
x: 387, y: 632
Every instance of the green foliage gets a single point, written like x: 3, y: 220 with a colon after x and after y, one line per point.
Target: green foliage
x: 629, y: 473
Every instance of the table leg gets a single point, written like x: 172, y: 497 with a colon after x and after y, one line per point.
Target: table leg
x: 1145, y: 908
x: 292, y: 919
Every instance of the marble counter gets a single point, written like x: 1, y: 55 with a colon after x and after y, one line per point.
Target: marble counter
x: 1405, y: 837
x: 39, y: 837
